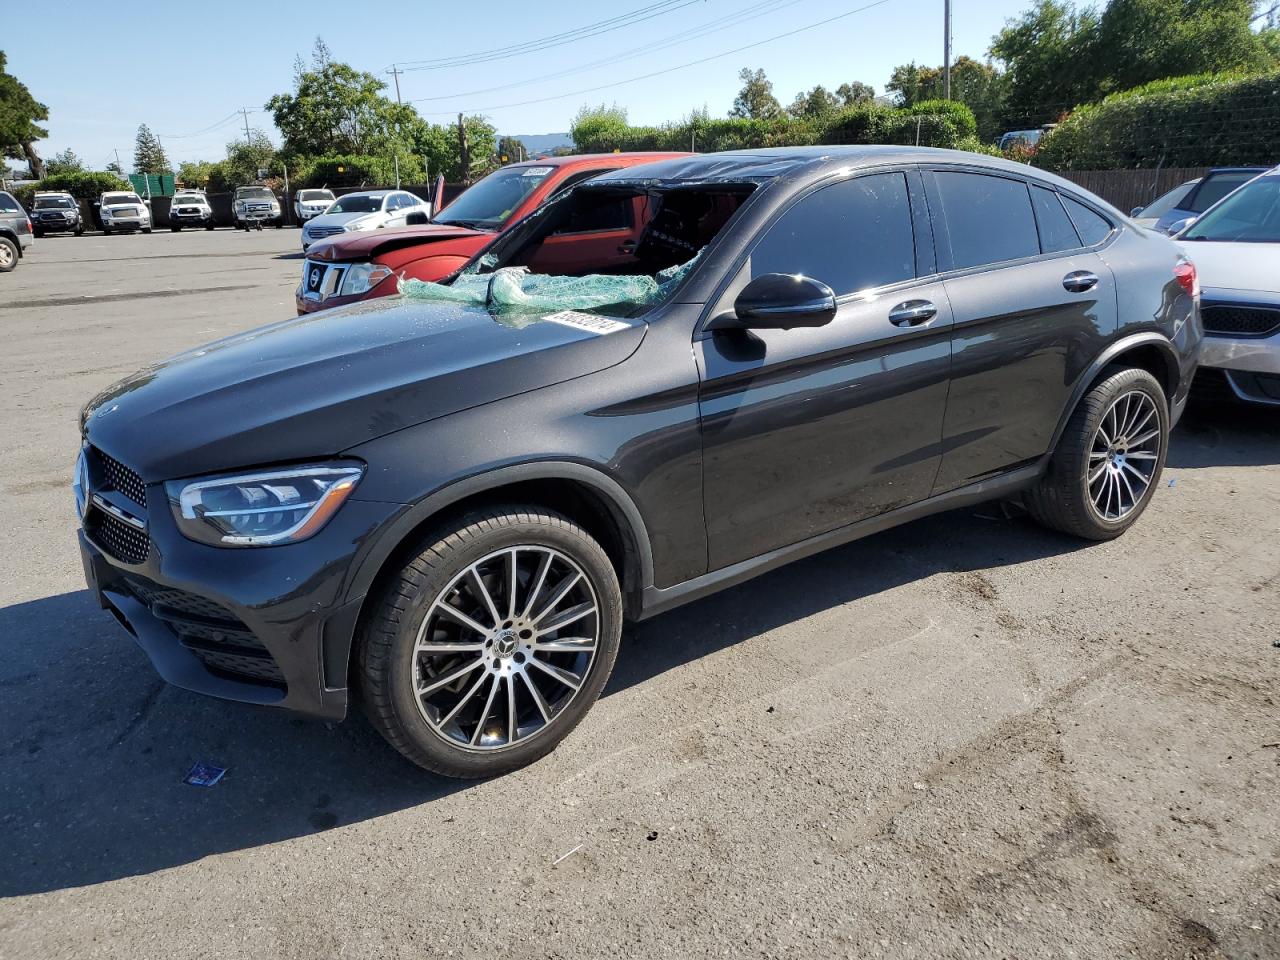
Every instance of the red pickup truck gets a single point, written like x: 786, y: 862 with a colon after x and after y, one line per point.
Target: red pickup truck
x: 361, y: 266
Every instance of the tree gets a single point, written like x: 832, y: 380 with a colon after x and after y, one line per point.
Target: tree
x: 603, y: 127
x: 20, y: 116
x: 148, y: 155
x: 441, y: 147
x: 851, y: 94
x: 335, y: 108
x: 979, y: 86
x: 244, y: 160
x: 195, y: 173
x: 1049, y: 55
x: 510, y: 149
x: 64, y: 162
x: 755, y: 100
x: 114, y: 167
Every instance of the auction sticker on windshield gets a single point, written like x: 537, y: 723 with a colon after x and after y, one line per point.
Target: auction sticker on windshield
x: 536, y: 171
x: 587, y: 321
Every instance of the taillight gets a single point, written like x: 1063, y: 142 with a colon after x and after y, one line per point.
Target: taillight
x: 1184, y: 271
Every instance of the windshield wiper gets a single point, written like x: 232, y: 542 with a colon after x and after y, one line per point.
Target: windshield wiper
x: 468, y: 224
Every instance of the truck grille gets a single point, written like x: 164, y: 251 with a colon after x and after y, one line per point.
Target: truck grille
x: 220, y: 640
x: 1242, y: 321
x: 118, y: 539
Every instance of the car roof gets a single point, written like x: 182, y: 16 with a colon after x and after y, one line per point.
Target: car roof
x: 633, y: 156
x: 1214, y: 170
x: 370, y: 193
x: 812, y: 161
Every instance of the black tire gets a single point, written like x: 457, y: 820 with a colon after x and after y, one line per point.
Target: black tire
x: 146, y: 229
x: 10, y: 259
x: 106, y: 232
x: 208, y: 226
x: 390, y: 671
x: 37, y: 234
x: 174, y: 229
x: 279, y: 224
x: 1062, y: 499
x: 80, y: 230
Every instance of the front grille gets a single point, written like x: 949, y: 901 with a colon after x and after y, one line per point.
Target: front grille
x: 118, y: 539
x: 320, y: 232
x: 1243, y: 321
x: 116, y: 476
x: 219, y: 639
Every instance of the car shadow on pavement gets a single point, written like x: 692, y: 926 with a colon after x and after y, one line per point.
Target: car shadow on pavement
x: 989, y: 535
x: 98, y: 746
x: 1218, y: 433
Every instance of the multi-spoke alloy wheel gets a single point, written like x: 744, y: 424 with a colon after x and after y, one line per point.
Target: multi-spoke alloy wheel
x: 1106, y: 466
x: 1122, y: 460
x: 492, y: 642
x: 505, y: 647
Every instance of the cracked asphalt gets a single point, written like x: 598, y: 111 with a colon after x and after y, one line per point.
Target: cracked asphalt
x: 967, y: 737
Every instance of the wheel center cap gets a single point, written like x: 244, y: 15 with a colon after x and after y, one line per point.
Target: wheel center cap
x: 505, y: 643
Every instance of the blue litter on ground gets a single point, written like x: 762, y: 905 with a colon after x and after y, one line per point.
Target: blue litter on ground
x: 204, y: 775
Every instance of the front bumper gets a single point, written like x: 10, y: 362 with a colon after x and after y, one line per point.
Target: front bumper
x: 56, y: 226
x: 123, y: 224
x: 270, y: 625
x: 1250, y: 366
x: 190, y: 217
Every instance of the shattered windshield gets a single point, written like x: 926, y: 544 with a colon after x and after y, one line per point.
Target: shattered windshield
x: 614, y: 250
x: 491, y: 201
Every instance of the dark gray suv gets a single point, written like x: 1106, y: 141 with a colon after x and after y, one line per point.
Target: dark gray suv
x: 15, y: 232
x: 665, y: 381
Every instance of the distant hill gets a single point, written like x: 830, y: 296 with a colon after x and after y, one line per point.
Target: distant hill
x: 537, y: 143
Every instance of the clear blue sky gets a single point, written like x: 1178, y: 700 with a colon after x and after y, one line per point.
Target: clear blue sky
x: 102, y: 69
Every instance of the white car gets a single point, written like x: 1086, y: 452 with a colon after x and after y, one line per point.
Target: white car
x: 369, y: 210
x: 1235, y: 245
x: 190, y: 208
x: 124, y: 212
x: 310, y: 203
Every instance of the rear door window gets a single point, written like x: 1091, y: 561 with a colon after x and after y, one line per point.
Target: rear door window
x: 1056, y: 232
x: 1092, y: 226
x: 988, y: 219
x: 853, y: 235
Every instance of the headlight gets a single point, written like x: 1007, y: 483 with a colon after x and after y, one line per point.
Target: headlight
x: 364, y: 223
x: 362, y: 277
x: 262, y: 509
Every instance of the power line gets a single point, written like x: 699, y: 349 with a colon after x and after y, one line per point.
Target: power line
x: 213, y: 126
x: 675, y: 39
x: 682, y: 66
x: 554, y: 40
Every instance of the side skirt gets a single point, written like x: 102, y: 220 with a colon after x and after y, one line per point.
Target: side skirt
x: 658, y: 600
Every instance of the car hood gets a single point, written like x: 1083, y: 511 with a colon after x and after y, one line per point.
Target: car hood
x: 335, y: 219
x: 361, y: 245
x: 316, y: 385
x: 1235, y: 266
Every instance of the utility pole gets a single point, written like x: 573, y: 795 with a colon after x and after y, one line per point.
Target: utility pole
x: 464, y: 151
x: 395, y: 72
x: 117, y: 151
x: 946, y: 49
x: 245, y: 113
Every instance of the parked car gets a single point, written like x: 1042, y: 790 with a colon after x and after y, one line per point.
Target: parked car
x: 1236, y: 248
x: 15, y: 232
x: 123, y: 212
x: 308, y: 204
x: 251, y: 207
x: 1150, y: 215
x: 55, y: 213
x: 1210, y: 188
x: 190, y: 208
x: 362, y: 266
x: 1028, y: 139
x: 368, y: 210
x: 453, y: 499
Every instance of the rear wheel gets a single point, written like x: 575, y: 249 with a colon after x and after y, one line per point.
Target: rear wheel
x: 1108, y: 462
x: 492, y: 643
x: 175, y: 229
x: 8, y: 254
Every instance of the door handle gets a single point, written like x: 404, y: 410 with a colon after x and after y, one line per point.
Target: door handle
x: 627, y: 246
x: 1078, y: 281
x: 912, y: 313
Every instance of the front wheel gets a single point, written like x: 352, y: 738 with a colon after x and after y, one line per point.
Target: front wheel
x: 491, y: 644
x: 146, y: 229
x: 174, y: 229
x: 1108, y: 462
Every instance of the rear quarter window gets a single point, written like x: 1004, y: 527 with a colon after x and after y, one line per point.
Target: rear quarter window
x: 1093, y: 226
x: 1056, y: 232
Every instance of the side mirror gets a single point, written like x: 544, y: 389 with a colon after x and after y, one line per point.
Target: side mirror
x: 1135, y: 211
x: 1179, y: 226
x: 779, y: 301
x: 417, y: 218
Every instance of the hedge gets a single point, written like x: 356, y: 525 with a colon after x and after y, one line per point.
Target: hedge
x: 358, y: 170
x: 933, y: 123
x: 83, y: 185
x: 1197, y: 121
